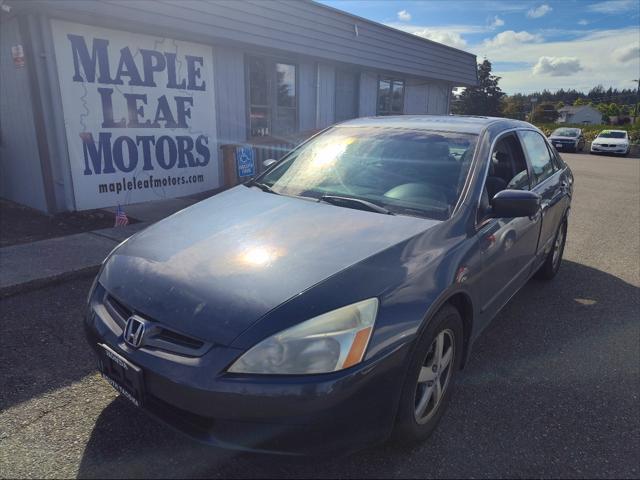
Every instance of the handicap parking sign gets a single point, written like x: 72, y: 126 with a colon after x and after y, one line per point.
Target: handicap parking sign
x: 244, y: 160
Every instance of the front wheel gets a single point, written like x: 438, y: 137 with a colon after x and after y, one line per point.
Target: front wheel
x: 429, y: 381
x: 552, y: 263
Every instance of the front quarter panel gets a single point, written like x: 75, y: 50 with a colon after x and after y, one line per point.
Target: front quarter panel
x: 408, y: 278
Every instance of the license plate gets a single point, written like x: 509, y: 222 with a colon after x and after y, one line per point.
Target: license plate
x: 558, y: 145
x: 123, y: 375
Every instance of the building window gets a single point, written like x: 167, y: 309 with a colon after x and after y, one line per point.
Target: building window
x: 273, y: 104
x: 390, y: 96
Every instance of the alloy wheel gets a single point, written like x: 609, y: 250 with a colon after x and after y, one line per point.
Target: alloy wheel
x: 434, y: 376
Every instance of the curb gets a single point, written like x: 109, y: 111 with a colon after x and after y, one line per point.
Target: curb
x: 32, y: 266
x: 40, y: 283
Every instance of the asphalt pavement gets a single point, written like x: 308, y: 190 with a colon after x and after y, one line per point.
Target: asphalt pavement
x: 552, y: 388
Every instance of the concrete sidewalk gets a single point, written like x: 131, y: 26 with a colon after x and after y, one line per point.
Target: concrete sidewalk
x: 33, y: 265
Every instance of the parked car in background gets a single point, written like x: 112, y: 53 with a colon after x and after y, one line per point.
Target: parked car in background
x: 611, y: 141
x: 567, y: 139
x: 328, y: 303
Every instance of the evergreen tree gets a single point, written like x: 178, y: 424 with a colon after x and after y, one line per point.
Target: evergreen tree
x: 483, y: 99
x: 516, y: 106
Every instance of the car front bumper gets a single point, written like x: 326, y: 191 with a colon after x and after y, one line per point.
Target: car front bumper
x: 300, y: 415
x: 614, y: 149
x: 564, y: 145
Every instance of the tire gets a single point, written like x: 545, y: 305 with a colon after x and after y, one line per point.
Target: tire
x: 551, y: 265
x: 412, y: 427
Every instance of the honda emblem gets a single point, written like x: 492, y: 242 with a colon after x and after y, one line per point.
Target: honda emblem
x: 134, y: 331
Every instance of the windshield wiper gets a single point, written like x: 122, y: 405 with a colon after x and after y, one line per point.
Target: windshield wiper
x: 345, y: 201
x: 262, y: 186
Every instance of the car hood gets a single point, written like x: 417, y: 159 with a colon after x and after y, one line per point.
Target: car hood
x: 611, y: 141
x: 215, y: 268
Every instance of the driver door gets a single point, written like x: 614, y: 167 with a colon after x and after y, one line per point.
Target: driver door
x: 508, y: 245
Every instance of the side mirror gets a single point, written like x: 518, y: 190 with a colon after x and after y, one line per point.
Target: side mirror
x: 515, y: 203
x: 267, y: 163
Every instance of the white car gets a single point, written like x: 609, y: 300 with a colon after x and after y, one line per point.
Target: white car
x: 611, y: 141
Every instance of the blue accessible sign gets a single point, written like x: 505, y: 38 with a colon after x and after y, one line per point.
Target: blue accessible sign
x: 244, y: 161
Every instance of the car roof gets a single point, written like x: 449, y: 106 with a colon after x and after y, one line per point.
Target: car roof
x: 612, y: 130
x: 446, y: 123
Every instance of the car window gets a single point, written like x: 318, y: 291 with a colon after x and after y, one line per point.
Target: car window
x: 507, y: 170
x: 542, y: 165
x: 555, y: 155
x: 566, y: 132
x: 415, y: 172
x: 612, y: 134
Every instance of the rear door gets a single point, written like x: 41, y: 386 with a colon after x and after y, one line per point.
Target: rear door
x: 548, y: 182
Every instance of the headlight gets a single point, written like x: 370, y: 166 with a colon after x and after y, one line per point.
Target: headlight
x: 327, y: 343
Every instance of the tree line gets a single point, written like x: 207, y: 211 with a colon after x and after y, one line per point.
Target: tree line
x: 488, y: 99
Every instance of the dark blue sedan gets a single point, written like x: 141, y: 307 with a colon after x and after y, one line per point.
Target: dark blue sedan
x: 329, y: 303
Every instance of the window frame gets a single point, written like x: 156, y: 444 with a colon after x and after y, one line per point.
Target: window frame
x: 392, y: 81
x: 272, y: 94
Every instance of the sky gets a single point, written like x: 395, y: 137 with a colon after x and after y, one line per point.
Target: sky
x: 532, y: 45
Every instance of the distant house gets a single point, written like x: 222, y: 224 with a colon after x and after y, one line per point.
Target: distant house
x: 583, y: 114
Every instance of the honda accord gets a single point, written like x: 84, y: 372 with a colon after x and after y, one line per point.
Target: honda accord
x: 329, y: 303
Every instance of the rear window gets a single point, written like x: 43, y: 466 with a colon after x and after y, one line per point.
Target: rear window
x: 566, y: 132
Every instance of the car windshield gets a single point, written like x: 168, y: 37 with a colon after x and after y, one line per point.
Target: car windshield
x: 610, y: 134
x: 566, y: 132
x: 413, y: 172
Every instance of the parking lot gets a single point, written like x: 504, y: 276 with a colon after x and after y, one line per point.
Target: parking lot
x: 551, y: 390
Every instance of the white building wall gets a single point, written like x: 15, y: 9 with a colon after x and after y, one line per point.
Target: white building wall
x: 368, y: 94
x: 326, y: 75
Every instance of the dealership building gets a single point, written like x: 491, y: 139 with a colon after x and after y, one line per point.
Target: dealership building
x: 107, y: 102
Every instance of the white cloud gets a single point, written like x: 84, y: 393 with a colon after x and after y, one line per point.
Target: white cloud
x: 627, y: 53
x: 496, y: 22
x: 540, y: 11
x: 612, y: 6
x: 445, y: 37
x: 460, y: 29
x: 557, y: 66
x: 593, y: 50
x: 404, y: 16
x: 583, y: 22
x: 510, y: 38
x: 447, y: 34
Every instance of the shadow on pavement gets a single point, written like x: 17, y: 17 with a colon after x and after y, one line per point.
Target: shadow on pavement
x: 42, y: 341
x: 550, y: 390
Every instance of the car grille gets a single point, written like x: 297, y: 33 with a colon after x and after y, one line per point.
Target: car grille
x: 160, y: 337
